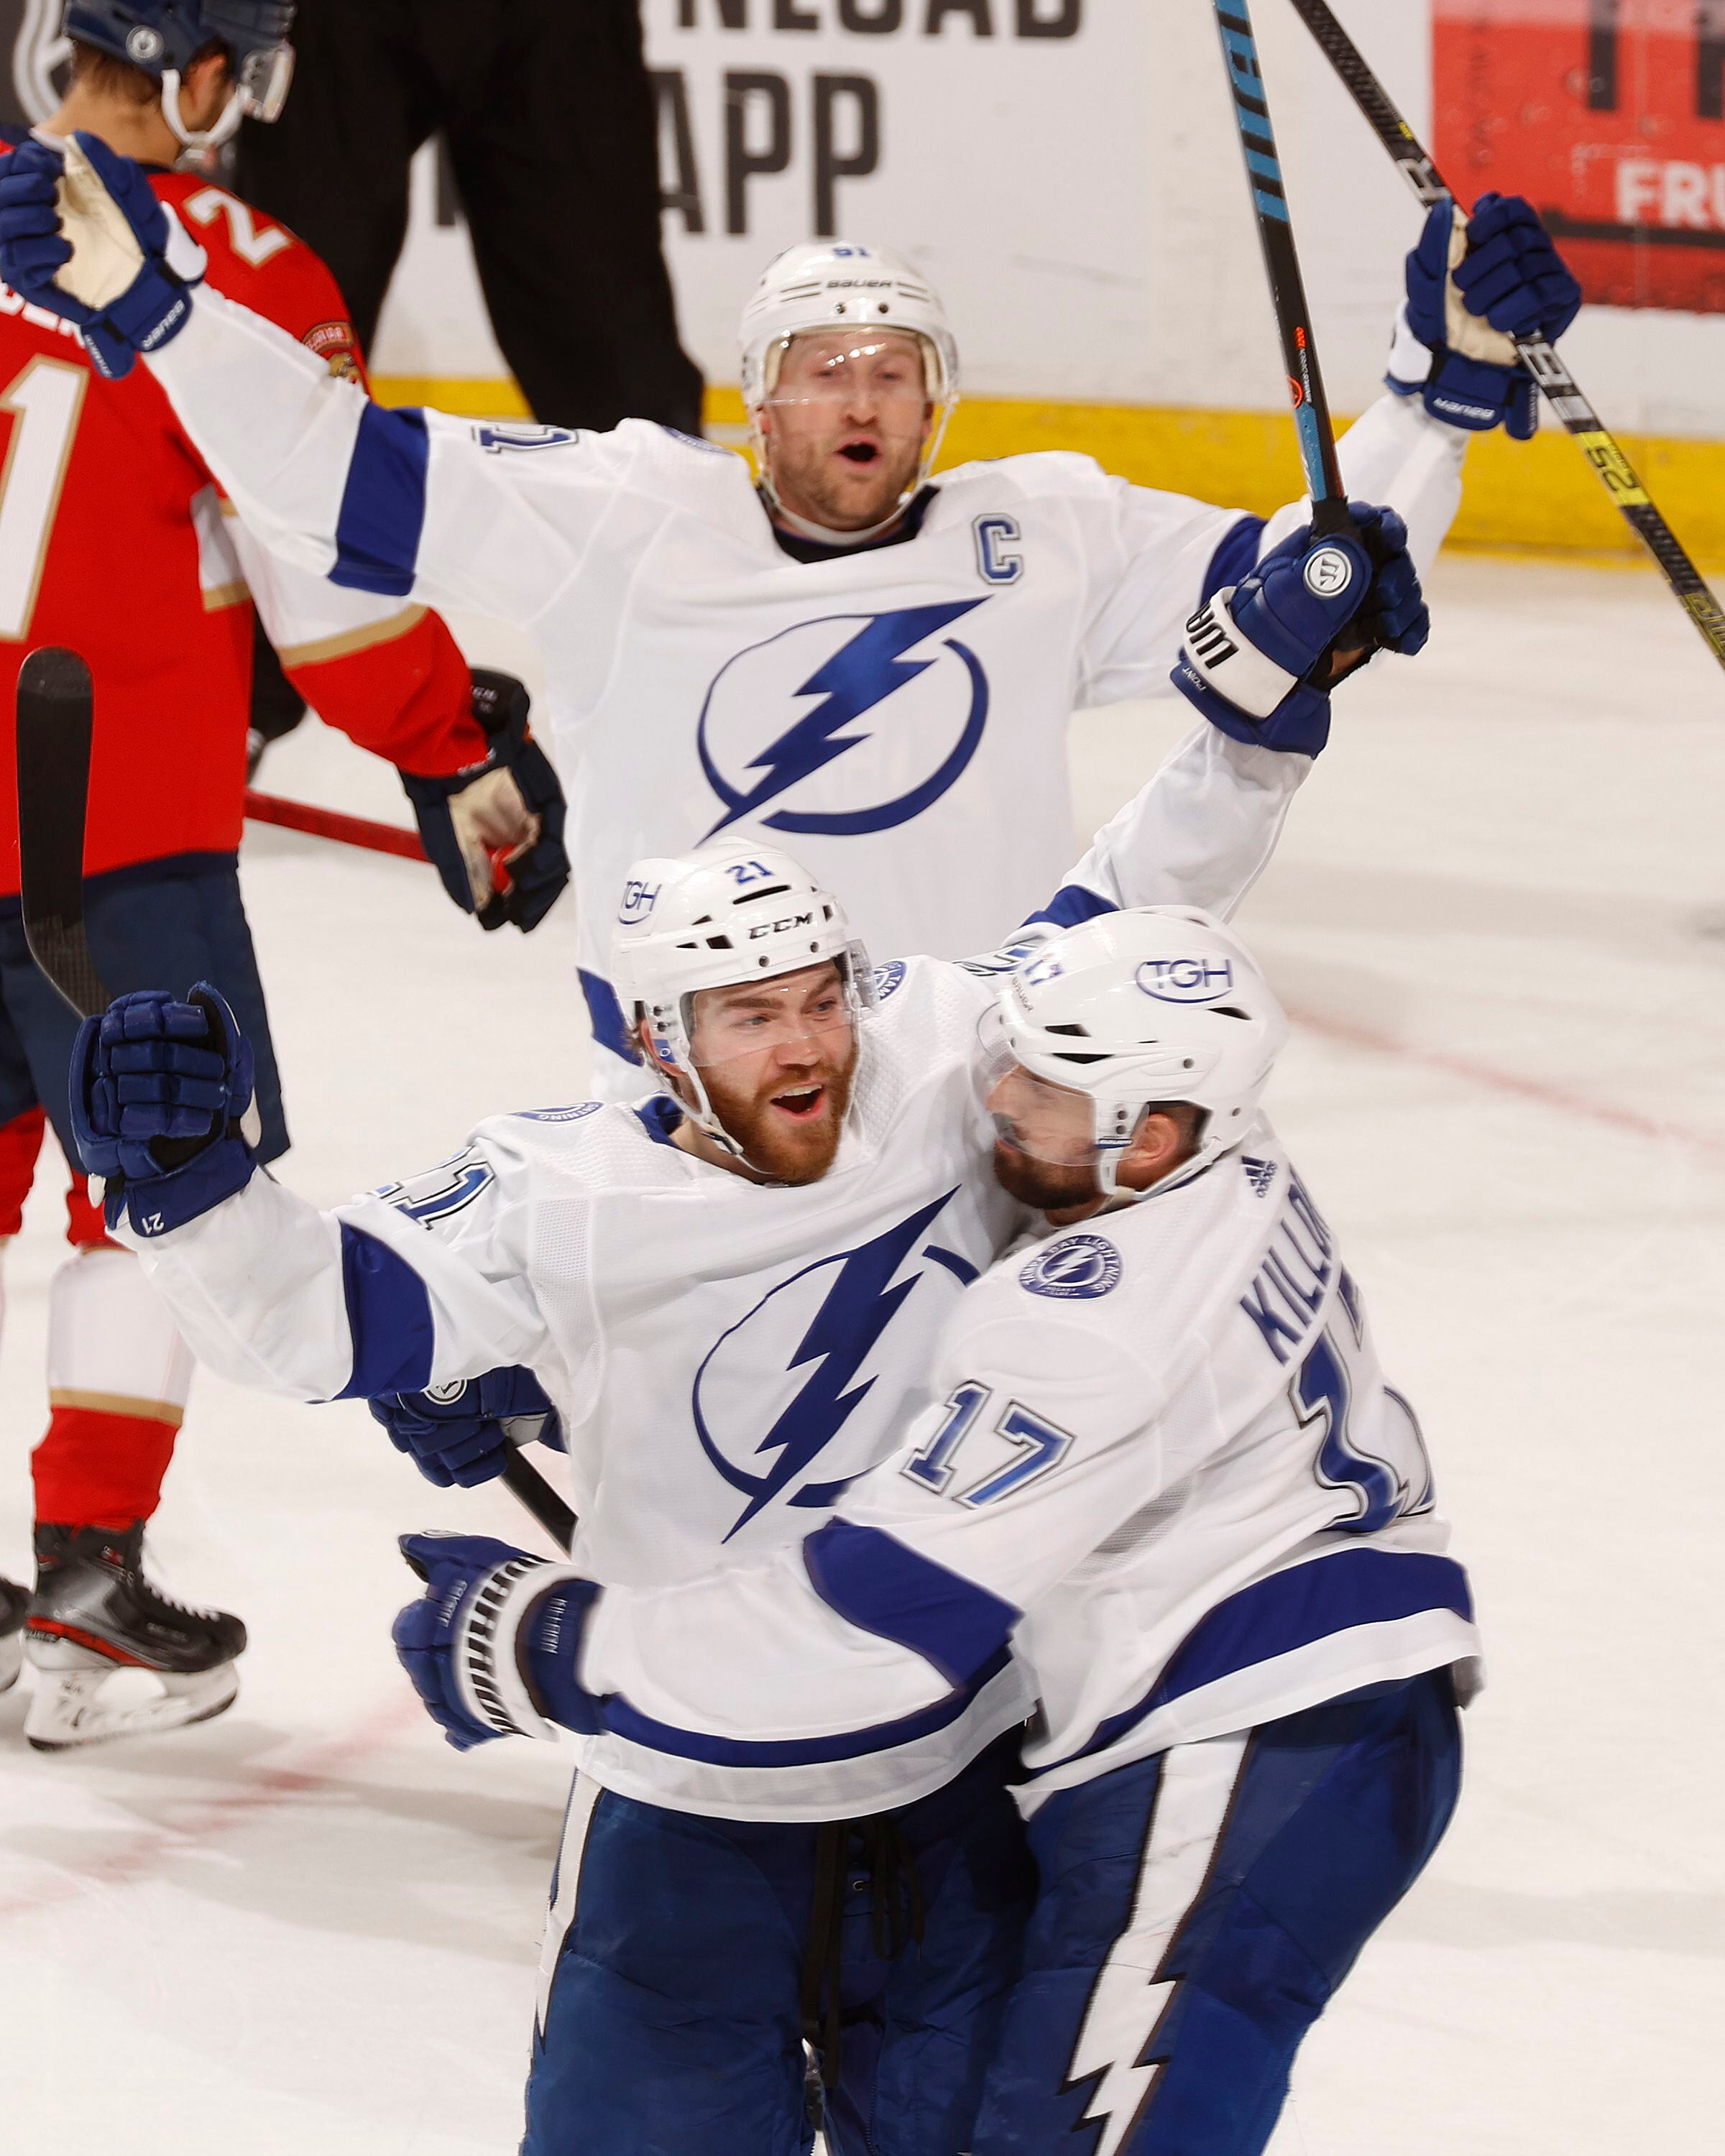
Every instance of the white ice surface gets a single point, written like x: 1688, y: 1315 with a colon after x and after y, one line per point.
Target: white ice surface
x: 1499, y: 914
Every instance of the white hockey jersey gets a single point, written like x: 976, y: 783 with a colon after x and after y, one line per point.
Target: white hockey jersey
x: 895, y: 716
x: 725, y: 1355
x: 1162, y: 1460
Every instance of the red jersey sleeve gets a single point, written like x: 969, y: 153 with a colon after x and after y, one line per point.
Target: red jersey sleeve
x: 391, y: 678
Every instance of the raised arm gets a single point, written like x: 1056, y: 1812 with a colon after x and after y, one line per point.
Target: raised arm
x: 417, y: 1284
x: 400, y: 503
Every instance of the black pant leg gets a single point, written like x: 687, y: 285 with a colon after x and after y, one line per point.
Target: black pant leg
x: 334, y: 167
x: 553, y: 140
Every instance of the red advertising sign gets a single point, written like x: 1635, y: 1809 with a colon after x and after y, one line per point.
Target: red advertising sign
x: 1610, y: 116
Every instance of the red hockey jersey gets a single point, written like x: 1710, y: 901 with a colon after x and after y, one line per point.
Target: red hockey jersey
x: 116, y: 542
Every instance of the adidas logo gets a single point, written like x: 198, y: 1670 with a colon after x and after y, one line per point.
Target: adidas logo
x: 1259, y: 1173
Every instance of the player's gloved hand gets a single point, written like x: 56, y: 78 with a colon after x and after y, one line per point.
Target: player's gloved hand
x: 494, y: 832
x: 83, y: 234
x: 1475, y: 285
x: 159, y: 1091
x: 1260, y: 657
x: 460, y: 1643
x: 461, y: 1432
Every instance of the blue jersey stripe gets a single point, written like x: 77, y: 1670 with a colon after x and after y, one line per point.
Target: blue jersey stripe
x: 1072, y: 903
x: 1289, y: 1610
x: 384, y: 504
x: 617, y: 1716
x: 875, y: 1582
x: 388, y: 1316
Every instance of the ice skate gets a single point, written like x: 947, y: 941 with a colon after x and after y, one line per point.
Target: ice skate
x: 94, y: 1615
x: 13, y: 1602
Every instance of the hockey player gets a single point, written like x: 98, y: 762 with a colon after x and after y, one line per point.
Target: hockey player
x: 850, y: 659
x: 731, y: 1290
x: 118, y: 545
x: 1161, y: 1460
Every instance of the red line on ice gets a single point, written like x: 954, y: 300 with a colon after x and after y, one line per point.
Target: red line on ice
x: 1539, y: 1092
x: 204, y: 1821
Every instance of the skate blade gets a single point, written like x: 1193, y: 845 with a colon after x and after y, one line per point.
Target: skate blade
x: 12, y: 1659
x: 67, y: 1710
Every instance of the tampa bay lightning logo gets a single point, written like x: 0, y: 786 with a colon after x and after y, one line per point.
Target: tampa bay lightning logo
x: 821, y: 1328
x: 1076, y: 1268
x: 928, y: 714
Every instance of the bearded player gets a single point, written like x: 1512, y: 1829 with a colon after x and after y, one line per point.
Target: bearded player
x: 117, y: 543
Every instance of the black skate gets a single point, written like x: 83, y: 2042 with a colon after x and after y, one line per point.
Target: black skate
x: 13, y: 1601
x: 93, y: 1614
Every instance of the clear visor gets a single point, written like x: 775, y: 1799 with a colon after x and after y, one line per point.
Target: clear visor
x: 1048, y: 1122
x: 894, y: 371
x: 807, y: 1017
x: 265, y: 77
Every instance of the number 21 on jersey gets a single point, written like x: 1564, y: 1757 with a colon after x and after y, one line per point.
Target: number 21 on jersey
x: 42, y: 403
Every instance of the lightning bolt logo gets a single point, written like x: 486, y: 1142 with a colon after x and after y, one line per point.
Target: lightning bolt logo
x: 864, y: 671
x: 1120, y: 2046
x: 856, y: 1310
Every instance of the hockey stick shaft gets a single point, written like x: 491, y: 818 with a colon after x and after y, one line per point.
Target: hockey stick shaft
x: 1598, y: 445
x: 1281, y: 263
x: 56, y: 712
x: 332, y: 824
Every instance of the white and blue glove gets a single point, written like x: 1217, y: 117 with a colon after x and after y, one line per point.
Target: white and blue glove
x: 82, y: 235
x: 1475, y: 284
x: 159, y: 1094
x: 460, y: 1434
x: 1260, y: 657
x: 463, y: 1642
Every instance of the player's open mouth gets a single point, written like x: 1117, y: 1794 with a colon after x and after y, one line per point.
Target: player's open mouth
x: 801, y: 1103
x: 862, y: 452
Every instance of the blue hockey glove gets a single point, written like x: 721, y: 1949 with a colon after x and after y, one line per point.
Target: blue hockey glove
x: 1475, y: 285
x: 459, y: 1642
x: 82, y: 234
x: 461, y: 1432
x: 494, y: 832
x: 1260, y: 657
x: 159, y: 1090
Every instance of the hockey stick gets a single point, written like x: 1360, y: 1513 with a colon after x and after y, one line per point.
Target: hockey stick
x: 1288, y: 291
x: 56, y: 708
x: 332, y: 824
x: 1600, y: 447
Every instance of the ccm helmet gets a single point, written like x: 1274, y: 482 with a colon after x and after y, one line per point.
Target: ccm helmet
x: 716, y: 918
x: 160, y: 37
x: 1158, y: 1002
x: 838, y: 286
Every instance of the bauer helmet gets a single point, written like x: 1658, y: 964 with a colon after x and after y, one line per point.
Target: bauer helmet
x: 837, y: 285
x: 160, y: 37
x: 714, y: 918
x: 1160, y: 1003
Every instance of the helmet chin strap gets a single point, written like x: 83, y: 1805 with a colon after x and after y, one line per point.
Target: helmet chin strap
x: 225, y: 126
x: 823, y: 534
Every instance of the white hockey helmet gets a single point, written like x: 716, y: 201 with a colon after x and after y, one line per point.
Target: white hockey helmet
x: 721, y: 914
x: 1160, y: 1003
x: 836, y: 285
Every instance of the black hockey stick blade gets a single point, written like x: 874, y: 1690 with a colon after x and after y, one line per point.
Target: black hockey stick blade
x: 1281, y: 263
x: 1596, y: 441
x: 55, y: 711
x: 529, y: 1487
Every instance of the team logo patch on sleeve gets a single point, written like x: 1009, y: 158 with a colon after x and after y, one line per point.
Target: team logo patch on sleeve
x: 888, y: 977
x: 559, y: 1115
x: 1076, y: 1269
x: 333, y: 343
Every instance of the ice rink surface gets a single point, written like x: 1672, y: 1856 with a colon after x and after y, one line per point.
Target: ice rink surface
x: 1498, y: 915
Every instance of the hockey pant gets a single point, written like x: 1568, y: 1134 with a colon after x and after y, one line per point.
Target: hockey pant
x: 1196, y: 1911
x: 685, y: 1957
x: 118, y: 1371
